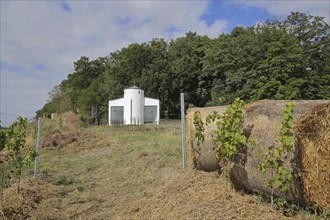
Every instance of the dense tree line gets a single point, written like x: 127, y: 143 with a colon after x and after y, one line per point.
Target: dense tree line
x: 275, y: 59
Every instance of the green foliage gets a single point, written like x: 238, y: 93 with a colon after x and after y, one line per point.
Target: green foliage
x: 35, y: 133
x: 185, y: 57
x: 199, y: 129
x: 227, y: 138
x: 285, y: 207
x: 59, y: 101
x: 19, y: 155
x: 273, y: 159
x: 286, y: 135
x: 2, y: 138
x: 276, y: 59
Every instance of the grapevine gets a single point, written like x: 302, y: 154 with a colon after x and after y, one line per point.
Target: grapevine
x: 273, y: 159
x: 227, y: 138
x: 13, y: 140
x: 199, y: 129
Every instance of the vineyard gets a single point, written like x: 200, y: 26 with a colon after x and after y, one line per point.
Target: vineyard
x: 132, y: 172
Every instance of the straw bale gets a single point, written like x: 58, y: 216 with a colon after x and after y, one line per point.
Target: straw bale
x: 313, y: 150
x: 262, y: 121
x: 204, y: 158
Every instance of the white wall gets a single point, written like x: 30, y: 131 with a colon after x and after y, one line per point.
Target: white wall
x: 134, y: 108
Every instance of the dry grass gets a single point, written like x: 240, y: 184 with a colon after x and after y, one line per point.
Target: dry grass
x: 95, y: 168
x: 198, y: 195
x: 33, y: 193
x: 131, y: 172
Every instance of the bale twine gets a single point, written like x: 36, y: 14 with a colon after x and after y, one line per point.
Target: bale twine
x: 312, y: 132
x: 262, y: 122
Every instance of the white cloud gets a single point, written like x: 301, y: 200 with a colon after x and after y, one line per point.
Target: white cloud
x: 42, y: 39
x: 21, y: 95
x: 281, y: 8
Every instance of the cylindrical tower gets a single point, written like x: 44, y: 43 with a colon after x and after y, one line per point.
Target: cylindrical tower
x: 133, y: 106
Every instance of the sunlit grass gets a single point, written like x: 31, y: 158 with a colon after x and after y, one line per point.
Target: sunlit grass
x: 121, y: 164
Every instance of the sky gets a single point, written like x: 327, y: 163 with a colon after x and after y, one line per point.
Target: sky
x: 40, y: 40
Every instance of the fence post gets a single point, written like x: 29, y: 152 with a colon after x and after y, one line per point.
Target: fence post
x: 37, y: 149
x: 272, y: 176
x: 184, y: 158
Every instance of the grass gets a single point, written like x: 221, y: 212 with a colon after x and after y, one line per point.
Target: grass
x: 124, y: 164
x: 107, y: 169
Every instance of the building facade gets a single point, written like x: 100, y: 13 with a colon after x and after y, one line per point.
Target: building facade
x: 134, y: 108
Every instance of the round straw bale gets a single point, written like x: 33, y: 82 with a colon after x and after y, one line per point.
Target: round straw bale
x: 312, y: 132
x: 262, y: 121
x: 203, y: 158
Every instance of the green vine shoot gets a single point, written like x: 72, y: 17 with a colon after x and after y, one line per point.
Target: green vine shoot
x: 227, y: 138
x: 199, y: 129
x: 13, y: 141
x: 273, y: 159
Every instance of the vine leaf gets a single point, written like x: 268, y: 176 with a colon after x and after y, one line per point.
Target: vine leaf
x: 273, y: 158
x: 19, y: 157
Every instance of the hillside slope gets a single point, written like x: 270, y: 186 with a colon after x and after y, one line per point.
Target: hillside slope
x: 131, y: 172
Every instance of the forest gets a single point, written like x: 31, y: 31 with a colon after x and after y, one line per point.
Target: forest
x: 275, y: 59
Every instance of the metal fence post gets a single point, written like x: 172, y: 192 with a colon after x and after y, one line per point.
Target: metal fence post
x: 184, y: 158
x: 37, y: 149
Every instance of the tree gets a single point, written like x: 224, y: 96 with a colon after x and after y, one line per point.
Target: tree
x: 185, y: 60
x: 307, y: 29
x: 85, y: 72
x: 155, y: 79
x: 276, y: 59
x: 280, y: 72
x: 230, y: 63
x: 312, y: 37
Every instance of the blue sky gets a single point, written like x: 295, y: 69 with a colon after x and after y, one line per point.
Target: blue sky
x: 235, y: 14
x: 40, y: 40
